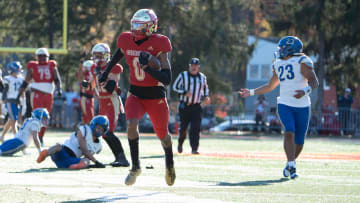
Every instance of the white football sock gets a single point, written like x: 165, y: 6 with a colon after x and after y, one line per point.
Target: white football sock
x: 291, y: 164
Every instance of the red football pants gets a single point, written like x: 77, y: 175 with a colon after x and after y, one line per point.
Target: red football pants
x: 87, y: 109
x: 41, y: 100
x: 157, y: 109
x: 110, y: 107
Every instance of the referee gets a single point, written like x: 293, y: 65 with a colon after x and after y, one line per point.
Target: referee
x: 193, y: 89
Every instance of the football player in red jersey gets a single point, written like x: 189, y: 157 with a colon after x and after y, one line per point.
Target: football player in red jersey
x: 86, y: 91
x: 146, y: 54
x: 42, y: 74
x: 110, y: 103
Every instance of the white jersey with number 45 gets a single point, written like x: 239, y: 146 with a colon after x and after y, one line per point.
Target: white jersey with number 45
x: 291, y: 79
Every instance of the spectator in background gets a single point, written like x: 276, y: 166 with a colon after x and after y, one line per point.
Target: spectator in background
x: 274, y: 121
x: 260, y: 104
x: 77, y: 109
x: 344, y: 104
x: 69, y: 109
x: 57, y: 113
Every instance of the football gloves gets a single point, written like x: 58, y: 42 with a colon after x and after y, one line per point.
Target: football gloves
x: 144, y: 58
x: 85, y: 83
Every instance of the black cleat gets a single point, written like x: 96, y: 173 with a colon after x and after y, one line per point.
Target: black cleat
x: 120, y: 161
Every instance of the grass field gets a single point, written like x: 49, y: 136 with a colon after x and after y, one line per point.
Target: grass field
x: 229, y: 169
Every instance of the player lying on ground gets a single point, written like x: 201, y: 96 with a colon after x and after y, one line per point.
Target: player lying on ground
x: 83, y: 142
x: 30, y: 128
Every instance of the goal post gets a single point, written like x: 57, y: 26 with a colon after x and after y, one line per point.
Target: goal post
x: 62, y: 50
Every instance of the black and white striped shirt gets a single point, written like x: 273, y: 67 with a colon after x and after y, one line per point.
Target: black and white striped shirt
x: 197, y: 84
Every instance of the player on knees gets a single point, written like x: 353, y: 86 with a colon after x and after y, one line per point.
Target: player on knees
x: 31, y: 127
x: 294, y: 71
x: 146, y: 53
x: 11, y: 84
x: 83, y: 142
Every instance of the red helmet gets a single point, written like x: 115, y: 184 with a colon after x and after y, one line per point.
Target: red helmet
x: 144, y: 23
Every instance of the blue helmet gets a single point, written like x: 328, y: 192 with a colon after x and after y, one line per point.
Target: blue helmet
x: 40, y: 113
x: 14, y: 67
x: 289, y: 46
x: 103, y: 121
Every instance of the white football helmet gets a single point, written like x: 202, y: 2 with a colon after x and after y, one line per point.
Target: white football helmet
x: 40, y: 53
x: 101, y: 53
x: 87, y: 65
x: 144, y: 22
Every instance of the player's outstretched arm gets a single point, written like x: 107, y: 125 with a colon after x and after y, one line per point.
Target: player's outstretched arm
x: 85, y: 151
x: 270, y: 86
x: 309, y: 73
x: 164, y: 74
x: 36, y: 140
x: 113, y: 61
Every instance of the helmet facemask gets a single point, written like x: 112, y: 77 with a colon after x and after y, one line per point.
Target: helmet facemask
x: 144, y: 23
x: 100, y: 53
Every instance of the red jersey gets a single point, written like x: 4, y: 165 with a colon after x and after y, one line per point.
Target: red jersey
x: 88, y: 77
x: 42, y: 72
x: 117, y: 69
x: 155, y: 45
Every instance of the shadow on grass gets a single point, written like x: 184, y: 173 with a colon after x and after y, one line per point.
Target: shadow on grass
x: 253, y: 183
x: 152, y: 157
x: 112, y: 198
x: 42, y: 170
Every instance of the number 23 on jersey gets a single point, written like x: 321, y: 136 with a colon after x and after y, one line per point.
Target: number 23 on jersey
x: 286, y: 72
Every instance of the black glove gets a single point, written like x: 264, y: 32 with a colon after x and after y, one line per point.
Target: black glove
x: 99, y: 165
x: 85, y: 83
x: 144, y: 58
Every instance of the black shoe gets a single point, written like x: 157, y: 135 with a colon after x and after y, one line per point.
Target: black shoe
x: 195, y: 152
x: 180, y: 149
x: 120, y: 161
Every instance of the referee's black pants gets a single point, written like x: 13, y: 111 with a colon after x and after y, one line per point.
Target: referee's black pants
x: 190, y: 114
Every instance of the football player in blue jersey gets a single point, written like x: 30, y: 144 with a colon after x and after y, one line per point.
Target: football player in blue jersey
x: 294, y: 71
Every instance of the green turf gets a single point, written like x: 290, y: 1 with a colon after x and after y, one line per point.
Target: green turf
x: 199, y: 178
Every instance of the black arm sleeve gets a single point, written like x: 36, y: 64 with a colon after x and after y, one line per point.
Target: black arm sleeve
x: 57, y: 83
x: 163, y: 75
x: 6, y: 88
x: 114, y: 59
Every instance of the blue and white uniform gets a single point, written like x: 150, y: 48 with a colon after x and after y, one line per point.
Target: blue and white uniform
x: 22, y: 138
x: 13, y: 86
x: 294, y: 113
x: 71, y: 152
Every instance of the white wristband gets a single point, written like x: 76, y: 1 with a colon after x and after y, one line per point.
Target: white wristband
x: 252, y: 92
x: 307, y: 90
